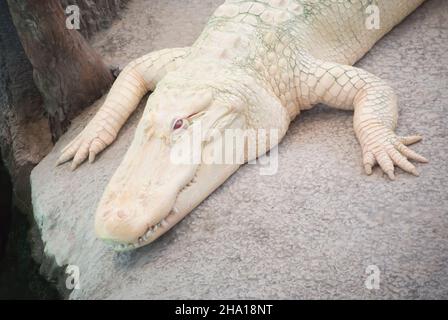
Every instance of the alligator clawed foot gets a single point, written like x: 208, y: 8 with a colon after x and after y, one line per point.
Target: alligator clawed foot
x: 87, y: 144
x: 381, y: 146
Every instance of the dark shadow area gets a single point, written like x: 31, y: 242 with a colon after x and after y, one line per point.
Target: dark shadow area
x: 5, y: 207
x: 19, y: 273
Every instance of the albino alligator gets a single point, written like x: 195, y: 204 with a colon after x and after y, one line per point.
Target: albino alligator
x: 256, y: 65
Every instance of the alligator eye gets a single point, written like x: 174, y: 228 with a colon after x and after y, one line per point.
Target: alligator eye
x: 179, y: 123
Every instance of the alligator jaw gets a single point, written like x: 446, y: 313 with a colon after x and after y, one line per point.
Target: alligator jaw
x: 153, y: 232
x: 208, y: 177
x: 145, y: 239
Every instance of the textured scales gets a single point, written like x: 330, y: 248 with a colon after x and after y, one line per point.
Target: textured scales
x: 257, y: 65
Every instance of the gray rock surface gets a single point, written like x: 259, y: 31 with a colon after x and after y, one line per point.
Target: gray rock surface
x: 311, y: 230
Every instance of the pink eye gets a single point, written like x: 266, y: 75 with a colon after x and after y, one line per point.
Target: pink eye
x: 178, y: 124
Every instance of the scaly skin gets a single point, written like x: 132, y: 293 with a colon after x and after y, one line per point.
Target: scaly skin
x: 256, y: 65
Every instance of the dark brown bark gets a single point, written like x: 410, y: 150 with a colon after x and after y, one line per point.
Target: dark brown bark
x: 24, y: 131
x: 96, y: 15
x: 69, y: 74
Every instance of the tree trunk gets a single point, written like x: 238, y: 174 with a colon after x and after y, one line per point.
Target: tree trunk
x: 96, y: 15
x: 68, y: 73
x: 24, y: 130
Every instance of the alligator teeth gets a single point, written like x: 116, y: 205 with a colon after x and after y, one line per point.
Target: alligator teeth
x: 141, y: 240
x: 124, y: 247
x: 149, y: 232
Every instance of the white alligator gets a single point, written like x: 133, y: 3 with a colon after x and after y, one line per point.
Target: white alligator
x: 256, y: 65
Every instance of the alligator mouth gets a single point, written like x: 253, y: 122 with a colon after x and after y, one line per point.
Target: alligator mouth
x: 147, y: 237
x: 144, y: 239
x: 207, y: 178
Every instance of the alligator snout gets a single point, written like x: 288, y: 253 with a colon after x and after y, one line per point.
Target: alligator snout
x: 132, y: 207
x: 119, y: 225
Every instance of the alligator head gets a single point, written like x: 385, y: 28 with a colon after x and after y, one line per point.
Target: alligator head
x: 165, y: 172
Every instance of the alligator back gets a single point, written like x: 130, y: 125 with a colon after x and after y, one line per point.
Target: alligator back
x: 332, y: 30
x: 339, y: 31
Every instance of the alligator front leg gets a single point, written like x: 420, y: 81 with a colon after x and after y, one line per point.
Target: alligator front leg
x: 139, y: 77
x: 375, y: 118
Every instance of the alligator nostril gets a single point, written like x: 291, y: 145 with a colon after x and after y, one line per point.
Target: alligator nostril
x: 122, y: 214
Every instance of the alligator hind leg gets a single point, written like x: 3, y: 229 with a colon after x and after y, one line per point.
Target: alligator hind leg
x: 375, y: 106
x: 139, y: 77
